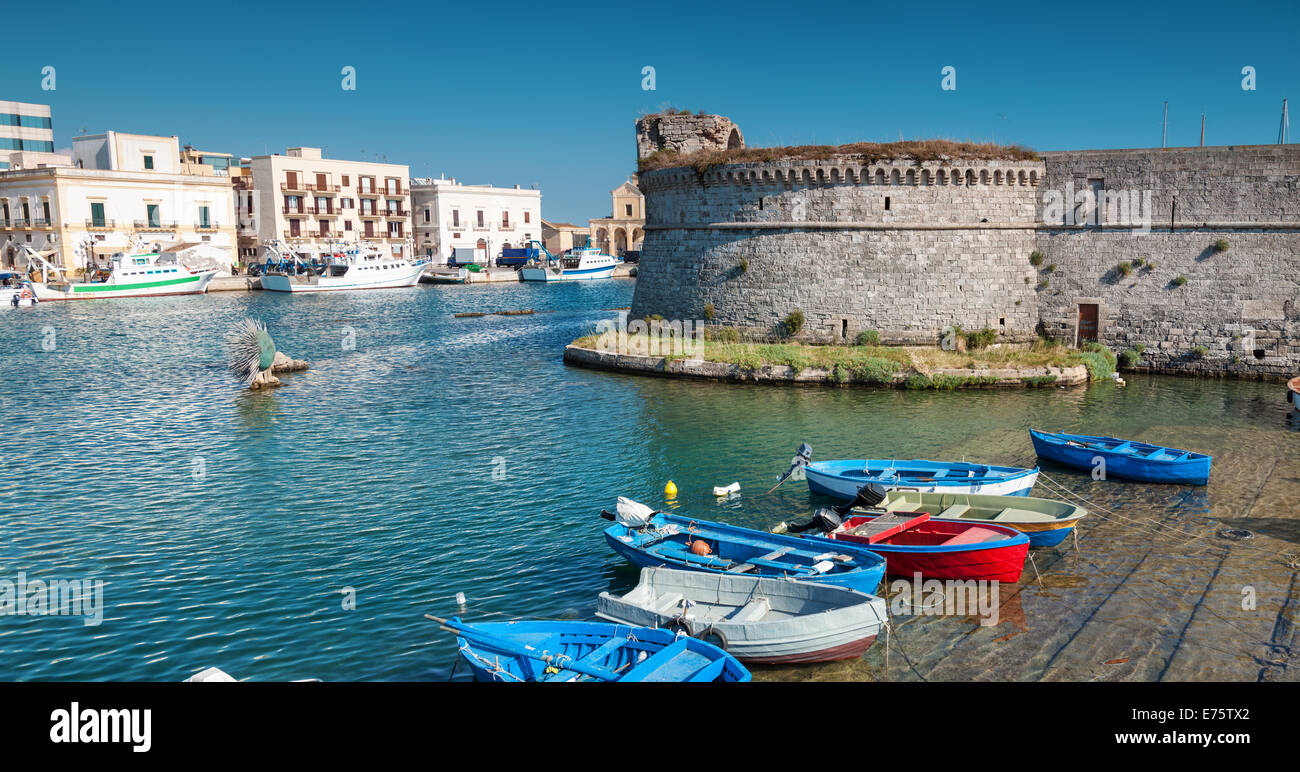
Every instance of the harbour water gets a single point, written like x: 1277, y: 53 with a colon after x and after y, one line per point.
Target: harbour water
x: 303, y: 532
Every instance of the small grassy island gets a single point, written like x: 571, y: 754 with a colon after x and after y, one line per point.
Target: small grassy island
x: 719, y: 356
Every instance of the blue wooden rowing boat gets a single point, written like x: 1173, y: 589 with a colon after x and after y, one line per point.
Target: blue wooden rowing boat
x: 1123, y: 458
x: 843, y: 478
x: 555, y: 651
x: 699, y: 545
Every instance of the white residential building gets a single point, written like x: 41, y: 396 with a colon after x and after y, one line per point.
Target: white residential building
x: 27, y: 137
x: 124, y: 190
x: 314, y: 203
x: 450, y: 215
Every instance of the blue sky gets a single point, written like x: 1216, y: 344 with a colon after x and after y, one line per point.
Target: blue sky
x: 546, y: 94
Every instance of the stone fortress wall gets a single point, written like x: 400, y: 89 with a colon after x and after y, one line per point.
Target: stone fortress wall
x: 909, y: 249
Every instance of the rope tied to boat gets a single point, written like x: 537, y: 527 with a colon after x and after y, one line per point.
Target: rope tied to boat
x: 492, y: 667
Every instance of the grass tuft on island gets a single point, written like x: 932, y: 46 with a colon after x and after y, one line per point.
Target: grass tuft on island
x: 918, y: 151
x: 912, y: 367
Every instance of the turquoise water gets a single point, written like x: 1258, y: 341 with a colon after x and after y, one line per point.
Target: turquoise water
x: 439, y: 455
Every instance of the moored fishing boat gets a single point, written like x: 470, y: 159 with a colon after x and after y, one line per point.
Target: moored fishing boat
x: 843, y: 478
x: 648, y: 538
x: 354, y: 267
x: 20, y: 296
x: 580, y: 264
x: 1045, y: 521
x: 915, y: 543
x: 1293, y: 393
x: 755, y: 619
x: 126, y: 275
x: 1123, y: 458
x: 559, y: 651
x: 451, y: 276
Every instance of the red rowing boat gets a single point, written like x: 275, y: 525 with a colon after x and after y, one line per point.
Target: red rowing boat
x: 914, y: 542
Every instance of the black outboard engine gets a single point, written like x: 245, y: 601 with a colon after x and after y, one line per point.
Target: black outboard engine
x: 827, y: 519
x: 824, y: 520
x: 869, y: 495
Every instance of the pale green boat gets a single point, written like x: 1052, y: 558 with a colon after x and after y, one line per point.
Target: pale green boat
x: 1045, y: 521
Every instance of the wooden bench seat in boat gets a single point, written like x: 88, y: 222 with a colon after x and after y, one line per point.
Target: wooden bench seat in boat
x: 751, y: 612
x: 668, y: 602
x: 1005, y: 513
x: 741, y: 568
x: 974, y: 536
x: 955, y: 511
x: 594, y: 656
x: 881, y: 528
x: 672, y: 663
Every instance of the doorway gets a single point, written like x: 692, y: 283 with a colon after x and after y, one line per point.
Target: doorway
x: 1087, y: 323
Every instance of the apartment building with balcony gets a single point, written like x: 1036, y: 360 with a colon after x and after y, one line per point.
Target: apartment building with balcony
x: 450, y: 215
x: 313, y: 203
x: 122, y: 191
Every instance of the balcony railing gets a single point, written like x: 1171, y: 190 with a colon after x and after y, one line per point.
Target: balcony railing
x: 326, y: 189
x: 292, y: 235
x: 206, y: 227
x: 40, y: 223
x: 19, y: 222
x: 396, y: 213
x: 144, y: 225
x: 300, y: 212
x: 375, y: 215
x: 297, y: 187
x: 321, y: 212
x: 372, y: 193
x: 100, y: 225
x: 395, y: 192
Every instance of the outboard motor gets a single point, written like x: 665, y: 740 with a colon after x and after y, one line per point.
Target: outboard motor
x: 869, y: 495
x: 827, y: 519
x: 824, y: 520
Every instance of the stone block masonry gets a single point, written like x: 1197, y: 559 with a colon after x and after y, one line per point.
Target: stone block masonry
x: 909, y: 249
x: 902, y: 248
x: 685, y: 133
x: 1242, y: 305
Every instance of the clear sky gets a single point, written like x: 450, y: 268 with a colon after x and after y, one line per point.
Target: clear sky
x: 546, y: 94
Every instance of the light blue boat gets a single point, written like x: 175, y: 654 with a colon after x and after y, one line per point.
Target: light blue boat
x: 665, y: 538
x: 559, y: 651
x: 842, y: 478
x: 1124, y: 458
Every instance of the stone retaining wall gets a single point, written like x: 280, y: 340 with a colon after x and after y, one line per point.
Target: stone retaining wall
x: 784, y: 374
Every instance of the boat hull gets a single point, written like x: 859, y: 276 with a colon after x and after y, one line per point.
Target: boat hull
x: 1293, y: 393
x: 638, y: 547
x: 1191, y: 471
x: 1045, y: 521
x: 623, y: 651
x: 7, y: 295
x: 998, y: 560
x: 196, y: 284
x: 843, y: 483
x: 276, y: 282
x: 541, y: 274
x: 755, y: 619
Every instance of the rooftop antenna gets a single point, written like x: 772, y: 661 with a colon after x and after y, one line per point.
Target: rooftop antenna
x: 1164, y: 128
x: 1283, y: 126
x: 1202, y: 129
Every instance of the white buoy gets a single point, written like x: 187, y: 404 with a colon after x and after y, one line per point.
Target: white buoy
x: 723, y: 491
x: 460, y: 599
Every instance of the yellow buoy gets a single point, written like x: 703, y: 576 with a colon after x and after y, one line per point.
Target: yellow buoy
x: 670, y: 490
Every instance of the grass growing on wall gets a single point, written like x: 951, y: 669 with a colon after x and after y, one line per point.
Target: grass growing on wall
x: 882, y: 364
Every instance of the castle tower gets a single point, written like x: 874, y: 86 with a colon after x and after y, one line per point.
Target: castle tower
x: 685, y: 133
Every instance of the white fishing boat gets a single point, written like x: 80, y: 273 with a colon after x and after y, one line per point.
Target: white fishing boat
x: 19, y: 295
x: 580, y: 264
x: 125, y: 275
x: 353, y: 267
x: 765, y: 620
